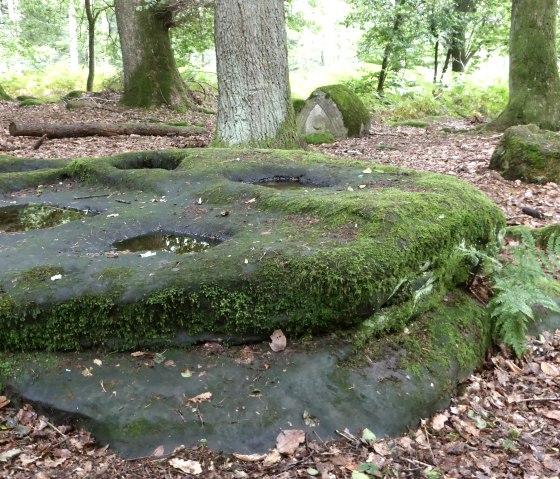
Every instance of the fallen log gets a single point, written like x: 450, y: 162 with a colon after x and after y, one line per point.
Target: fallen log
x: 77, y: 130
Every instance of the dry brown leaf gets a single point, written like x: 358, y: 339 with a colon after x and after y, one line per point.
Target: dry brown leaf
x: 551, y: 463
x: 438, y: 422
x: 278, y: 341
x: 158, y: 451
x: 273, y: 457
x: 550, y: 369
x: 4, y: 401
x: 288, y: 441
x: 188, y: 467
x: 382, y: 449
x: 204, y: 397
x: 138, y: 354
x: 552, y: 414
x: 52, y: 463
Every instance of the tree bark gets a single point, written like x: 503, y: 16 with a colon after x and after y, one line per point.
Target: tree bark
x: 534, y: 83
x: 254, y: 106
x: 151, y: 77
x: 91, y: 45
x: 77, y: 130
x: 459, y: 56
x: 73, y: 37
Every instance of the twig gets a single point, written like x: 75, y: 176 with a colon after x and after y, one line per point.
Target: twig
x: 123, y: 201
x: 57, y: 430
x: 536, y: 399
x: 429, y: 445
x: 91, y: 196
x: 414, y: 461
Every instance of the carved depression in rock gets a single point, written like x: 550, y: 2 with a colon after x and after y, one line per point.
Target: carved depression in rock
x: 359, y: 243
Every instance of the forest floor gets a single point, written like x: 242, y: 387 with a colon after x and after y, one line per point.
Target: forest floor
x: 504, y: 425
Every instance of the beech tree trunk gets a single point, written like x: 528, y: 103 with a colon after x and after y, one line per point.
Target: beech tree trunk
x: 534, y: 84
x: 76, y: 130
x: 151, y: 77
x: 254, y: 105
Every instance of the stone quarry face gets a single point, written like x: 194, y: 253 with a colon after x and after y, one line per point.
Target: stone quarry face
x: 233, y: 242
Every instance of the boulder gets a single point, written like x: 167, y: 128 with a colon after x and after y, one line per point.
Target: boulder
x: 152, y: 247
x: 334, y: 109
x: 528, y: 153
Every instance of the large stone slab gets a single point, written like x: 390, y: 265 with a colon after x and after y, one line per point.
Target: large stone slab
x: 528, y: 153
x: 299, y: 241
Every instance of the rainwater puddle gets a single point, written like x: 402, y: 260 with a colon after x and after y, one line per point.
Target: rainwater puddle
x: 31, y: 217
x: 178, y: 244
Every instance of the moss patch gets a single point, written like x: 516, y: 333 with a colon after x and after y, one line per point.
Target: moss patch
x: 318, y: 138
x: 31, y: 102
x: 3, y: 94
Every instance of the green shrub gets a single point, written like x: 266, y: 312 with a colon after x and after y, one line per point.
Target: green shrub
x: 298, y: 104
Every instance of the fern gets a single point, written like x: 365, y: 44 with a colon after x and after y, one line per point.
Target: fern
x: 525, y: 282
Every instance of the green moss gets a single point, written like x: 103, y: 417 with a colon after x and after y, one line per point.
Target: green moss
x: 542, y: 235
x: 414, y: 123
x: 354, y: 112
x: 298, y: 104
x: 455, y: 332
x: 31, y: 102
x: 3, y: 94
x: 318, y: 138
x: 71, y: 95
x: 38, y: 274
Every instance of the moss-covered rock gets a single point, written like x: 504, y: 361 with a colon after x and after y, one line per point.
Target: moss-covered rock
x: 31, y: 102
x: 334, y: 109
x: 528, y: 153
x: 301, y: 242
x: 72, y: 95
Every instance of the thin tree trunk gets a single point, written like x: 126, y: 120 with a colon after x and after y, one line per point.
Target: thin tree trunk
x: 151, y: 76
x: 91, y: 44
x: 445, y: 64
x: 72, y: 36
x: 387, y: 53
x: 436, y: 60
x: 534, y: 83
x: 254, y: 106
x: 384, y: 69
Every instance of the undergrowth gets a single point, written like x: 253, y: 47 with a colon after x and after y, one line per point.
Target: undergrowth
x: 419, y: 99
x: 520, y: 284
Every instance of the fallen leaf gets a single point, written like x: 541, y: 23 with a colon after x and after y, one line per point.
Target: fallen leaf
x: 204, y: 397
x: 288, y: 441
x: 86, y: 372
x: 26, y: 459
x: 382, y: 449
x: 249, y: 457
x: 169, y: 363
x: 138, y: 354
x: 272, y: 457
x: 550, y: 369
x: 368, y: 436
x: 309, y: 420
x: 4, y: 401
x: 186, y: 373
x: 438, y: 422
x: 551, y: 463
x: 552, y: 415
x: 367, y: 170
x: 98, y: 362
x: 278, y: 341
x: 188, y: 467
x: 54, y: 462
x: 6, y: 456
x: 158, y: 451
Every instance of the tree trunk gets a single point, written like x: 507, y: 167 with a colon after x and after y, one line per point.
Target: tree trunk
x: 389, y: 47
x: 73, y: 36
x: 91, y: 44
x: 459, y: 56
x: 77, y: 130
x: 254, y: 106
x: 534, y: 84
x: 151, y: 77
x: 3, y: 94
